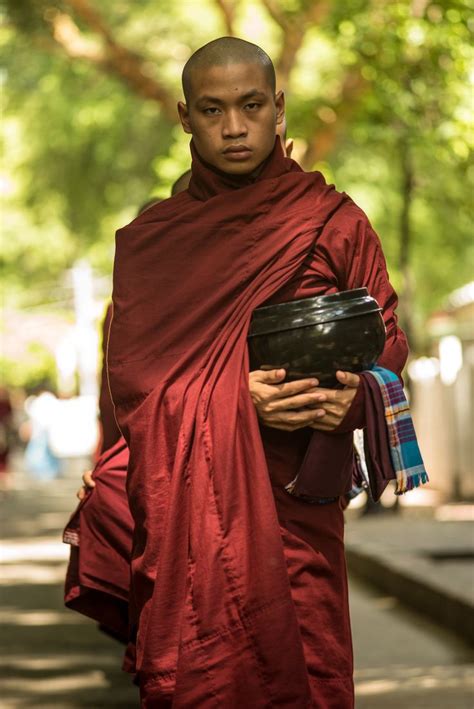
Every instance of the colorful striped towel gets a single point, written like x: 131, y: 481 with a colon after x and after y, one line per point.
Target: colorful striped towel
x: 404, y: 450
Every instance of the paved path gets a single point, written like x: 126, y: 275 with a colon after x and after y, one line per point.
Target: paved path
x: 424, y: 559
x: 52, y: 657
x: 403, y: 661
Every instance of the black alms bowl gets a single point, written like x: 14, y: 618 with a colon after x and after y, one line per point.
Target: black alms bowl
x: 315, y: 337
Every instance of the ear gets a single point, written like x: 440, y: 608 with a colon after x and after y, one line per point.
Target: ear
x: 184, y: 116
x: 280, y: 107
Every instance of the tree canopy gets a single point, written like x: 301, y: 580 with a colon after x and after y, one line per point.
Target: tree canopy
x: 378, y: 98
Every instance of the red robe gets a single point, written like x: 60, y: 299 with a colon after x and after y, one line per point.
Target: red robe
x: 101, y: 528
x: 231, y: 607
x: 100, y: 533
x: 110, y: 432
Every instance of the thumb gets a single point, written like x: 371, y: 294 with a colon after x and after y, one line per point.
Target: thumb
x: 271, y: 376
x: 349, y: 379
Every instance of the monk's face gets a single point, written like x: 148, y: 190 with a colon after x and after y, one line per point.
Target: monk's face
x: 232, y: 115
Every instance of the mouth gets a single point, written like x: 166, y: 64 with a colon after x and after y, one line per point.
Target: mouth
x: 237, y: 152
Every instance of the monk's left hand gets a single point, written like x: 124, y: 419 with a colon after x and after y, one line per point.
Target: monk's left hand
x: 333, y: 404
x: 88, y: 485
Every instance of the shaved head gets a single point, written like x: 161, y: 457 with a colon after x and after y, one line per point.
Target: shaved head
x: 224, y: 51
x: 232, y: 109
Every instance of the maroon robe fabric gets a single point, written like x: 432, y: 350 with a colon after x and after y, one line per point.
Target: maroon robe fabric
x: 100, y: 533
x: 101, y: 528
x: 110, y: 432
x: 376, y: 440
x: 232, y: 608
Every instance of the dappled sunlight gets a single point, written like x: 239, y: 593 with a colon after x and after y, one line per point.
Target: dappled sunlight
x: 57, y: 685
x: 407, y: 679
x: 385, y: 602
x: 457, y: 513
x: 31, y: 574
x: 49, y: 662
x: 47, y: 549
x: 14, y: 616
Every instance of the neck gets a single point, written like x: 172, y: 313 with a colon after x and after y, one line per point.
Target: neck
x: 208, y: 181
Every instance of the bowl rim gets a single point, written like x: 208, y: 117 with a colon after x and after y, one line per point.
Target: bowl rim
x: 324, y: 308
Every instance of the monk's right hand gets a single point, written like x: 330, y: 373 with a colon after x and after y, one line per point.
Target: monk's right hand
x: 286, y: 406
x: 89, y: 483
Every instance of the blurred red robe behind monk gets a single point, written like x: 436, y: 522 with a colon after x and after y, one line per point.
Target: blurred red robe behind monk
x: 239, y: 590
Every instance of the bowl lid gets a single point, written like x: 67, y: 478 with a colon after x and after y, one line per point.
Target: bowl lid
x: 312, y: 311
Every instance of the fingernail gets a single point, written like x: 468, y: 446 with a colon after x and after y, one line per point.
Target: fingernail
x: 314, y: 382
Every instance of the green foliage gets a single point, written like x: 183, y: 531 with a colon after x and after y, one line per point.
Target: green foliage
x: 370, y: 83
x: 36, y: 367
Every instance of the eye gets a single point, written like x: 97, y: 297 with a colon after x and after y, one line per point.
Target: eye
x: 252, y: 106
x: 211, y: 111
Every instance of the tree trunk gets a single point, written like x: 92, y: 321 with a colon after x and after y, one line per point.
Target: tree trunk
x: 407, y: 188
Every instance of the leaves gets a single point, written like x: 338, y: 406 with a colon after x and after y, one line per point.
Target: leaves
x: 90, y: 130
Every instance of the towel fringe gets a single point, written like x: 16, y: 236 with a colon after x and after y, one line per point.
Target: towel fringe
x: 410, y: 483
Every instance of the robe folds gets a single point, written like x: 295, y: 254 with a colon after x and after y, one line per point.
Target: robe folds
x: 238, y: 592
x: 109, y: 431
x: 100, y: 533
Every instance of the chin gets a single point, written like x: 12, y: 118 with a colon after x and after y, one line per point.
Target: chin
x: 238, y: 169
x: 241, y: 168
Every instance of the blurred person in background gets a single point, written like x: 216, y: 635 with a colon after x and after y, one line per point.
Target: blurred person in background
x: 42, y: 411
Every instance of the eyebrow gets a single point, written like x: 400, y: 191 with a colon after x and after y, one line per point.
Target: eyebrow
x: 253, y: 93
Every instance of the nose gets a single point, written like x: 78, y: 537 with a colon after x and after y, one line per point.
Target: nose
x: 234, y: 125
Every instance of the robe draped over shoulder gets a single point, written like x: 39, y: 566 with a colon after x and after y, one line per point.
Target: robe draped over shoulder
x: 235, y: 586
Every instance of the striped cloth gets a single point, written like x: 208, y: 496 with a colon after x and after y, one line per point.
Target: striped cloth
x: 404, y: 450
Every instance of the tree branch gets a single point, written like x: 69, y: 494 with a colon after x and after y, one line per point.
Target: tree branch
x: 276, y: 13
x: 116, y: 59
x: 326, y: 134
x: 406, y: 236
x: 294, y: 28
x: 227, y: 9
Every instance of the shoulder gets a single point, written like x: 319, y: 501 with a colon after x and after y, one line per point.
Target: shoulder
x: 158, y: 213
x: 350, y: 227
x: 350, y: 218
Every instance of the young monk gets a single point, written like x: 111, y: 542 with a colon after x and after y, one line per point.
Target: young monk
x: 239, y: 591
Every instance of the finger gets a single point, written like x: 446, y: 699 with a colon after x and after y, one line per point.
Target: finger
x: 81, y: 493
x: 281, y: 426
x: 270, y: 376
x: 294, y: 418
x: 328, y: 394
x: 349, y: 379
x: 300, y: 401
x: 87, y: 479
x: 284, y: 426
x: 327, y: 425
x: 323, y: 428
x: 288, y: 389
x: 333, y: 410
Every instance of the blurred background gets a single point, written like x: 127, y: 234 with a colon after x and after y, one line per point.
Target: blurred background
x: 380, y: 99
